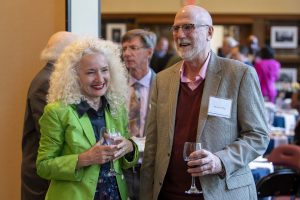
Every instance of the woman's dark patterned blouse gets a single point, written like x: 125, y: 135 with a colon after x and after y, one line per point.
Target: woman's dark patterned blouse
x: 107, y: 188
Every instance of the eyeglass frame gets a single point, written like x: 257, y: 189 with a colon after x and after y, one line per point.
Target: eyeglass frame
x: 186, y: 28
x: 132, y: 48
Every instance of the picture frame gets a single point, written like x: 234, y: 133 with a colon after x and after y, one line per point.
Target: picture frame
x: 115, y: 31
x: 284, y: 37
x: 288, y: 75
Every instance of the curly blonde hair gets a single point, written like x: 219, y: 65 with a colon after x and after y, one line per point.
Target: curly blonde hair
x: 64, y: 81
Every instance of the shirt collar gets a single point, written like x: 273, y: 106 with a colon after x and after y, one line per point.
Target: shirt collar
x: 145, y: 81
x: 83, y: 106
x: 202, y: 72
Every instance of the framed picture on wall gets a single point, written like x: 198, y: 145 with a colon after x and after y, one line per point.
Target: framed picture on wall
x: 288, y: 75
x: 284, y: 37
x: 115, y: 31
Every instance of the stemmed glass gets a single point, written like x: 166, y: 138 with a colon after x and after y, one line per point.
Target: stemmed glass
x: 190, y: 147
x: 109, y: 136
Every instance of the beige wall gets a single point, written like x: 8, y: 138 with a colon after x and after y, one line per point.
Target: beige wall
x: 214, y: 6
x: 24, y: 29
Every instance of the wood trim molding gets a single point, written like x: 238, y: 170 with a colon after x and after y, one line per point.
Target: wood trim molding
x: 163, y: 18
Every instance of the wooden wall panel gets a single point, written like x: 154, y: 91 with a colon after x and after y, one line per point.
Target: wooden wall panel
x: 25, y: 27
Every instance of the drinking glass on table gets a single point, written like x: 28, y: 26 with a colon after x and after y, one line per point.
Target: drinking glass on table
x: 190, y: 147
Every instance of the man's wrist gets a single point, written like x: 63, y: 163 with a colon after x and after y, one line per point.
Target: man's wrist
x: 222, y: 173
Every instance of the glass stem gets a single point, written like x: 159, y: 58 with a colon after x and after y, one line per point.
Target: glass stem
x: 193, y: 182
x: 111, y: 166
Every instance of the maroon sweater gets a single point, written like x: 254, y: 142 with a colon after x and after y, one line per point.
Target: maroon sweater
x: 177, y: 180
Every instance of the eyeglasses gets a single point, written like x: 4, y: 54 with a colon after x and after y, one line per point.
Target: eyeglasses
x: 187, y: 28
x: 132, y: 48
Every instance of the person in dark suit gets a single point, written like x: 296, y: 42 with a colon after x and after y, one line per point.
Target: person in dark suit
x: 32, y: 186
x: 206, y: 99
x: 161, y: 55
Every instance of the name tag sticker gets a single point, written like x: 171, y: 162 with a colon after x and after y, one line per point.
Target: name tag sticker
x: 219, y: 107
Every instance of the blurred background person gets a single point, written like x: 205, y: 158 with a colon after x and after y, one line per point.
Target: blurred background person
x: 241, y: 54
x: 33, y: 186
x: 268, y: 70
x: 295, y: 103
x: 174, y: 58
x: 297, y: 133
x: 137, y: 49
x: 254, y: 48
x: 228, y: 47
x: 161, y: 55
x: 88, y: 92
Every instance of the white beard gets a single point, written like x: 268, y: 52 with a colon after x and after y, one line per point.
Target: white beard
x: 189, y: 55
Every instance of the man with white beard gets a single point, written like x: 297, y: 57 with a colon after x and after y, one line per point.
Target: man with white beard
x: 209, y: 100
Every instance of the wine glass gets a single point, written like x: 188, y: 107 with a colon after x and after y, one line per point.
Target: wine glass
x: 109, y: 136
x: 190, y: 147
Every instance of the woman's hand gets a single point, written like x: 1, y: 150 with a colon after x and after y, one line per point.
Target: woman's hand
x: 98, y: 154
x: 124, y: 146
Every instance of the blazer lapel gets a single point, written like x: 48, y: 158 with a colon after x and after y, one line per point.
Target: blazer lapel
x: 212, y: 81
x: 153, y: 76
x: 86, y: 125
x: 173, y: 97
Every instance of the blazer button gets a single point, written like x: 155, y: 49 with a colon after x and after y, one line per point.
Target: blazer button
x: 160, y: 183
x: 169, y: 154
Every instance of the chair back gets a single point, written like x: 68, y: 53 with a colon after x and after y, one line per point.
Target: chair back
x: 279, y: 183
x: 287, y: 155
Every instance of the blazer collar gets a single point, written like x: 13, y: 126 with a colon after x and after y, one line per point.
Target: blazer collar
x: 86, y: 125
x: 211, y: 87
x: 172, y: 98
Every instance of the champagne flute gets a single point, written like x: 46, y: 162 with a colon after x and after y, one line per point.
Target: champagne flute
x: 109, y: 139
x: 190, y: 147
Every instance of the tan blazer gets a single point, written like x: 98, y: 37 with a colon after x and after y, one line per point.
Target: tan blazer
x: 236, y: 141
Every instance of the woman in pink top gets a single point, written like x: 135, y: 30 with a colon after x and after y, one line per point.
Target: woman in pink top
x: 268, y: 72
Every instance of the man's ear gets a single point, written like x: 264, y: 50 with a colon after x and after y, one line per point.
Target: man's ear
x: 210, y: 33
x: 150, y: 52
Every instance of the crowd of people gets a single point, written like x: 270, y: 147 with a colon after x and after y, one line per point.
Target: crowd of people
x: 262, y: 59
x: 156, y: 99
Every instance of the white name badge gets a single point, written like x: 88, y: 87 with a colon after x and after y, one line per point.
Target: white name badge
x: 219, y: 107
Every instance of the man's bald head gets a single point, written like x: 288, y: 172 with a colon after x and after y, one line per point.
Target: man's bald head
x: 193, y: 41
x: 198, y: 14
x: 56, y: 44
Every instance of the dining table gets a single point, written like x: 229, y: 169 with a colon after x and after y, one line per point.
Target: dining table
x: 260, y: 167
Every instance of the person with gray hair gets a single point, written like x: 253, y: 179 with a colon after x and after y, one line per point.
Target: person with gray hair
x: 229, y: 46
x: 32, y: 186
x: 86, y: 102
x: 137, y: 49
x: 203, y: 99
x: 162, y: 54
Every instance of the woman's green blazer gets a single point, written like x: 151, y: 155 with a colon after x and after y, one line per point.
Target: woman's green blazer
x: 65, y: 135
